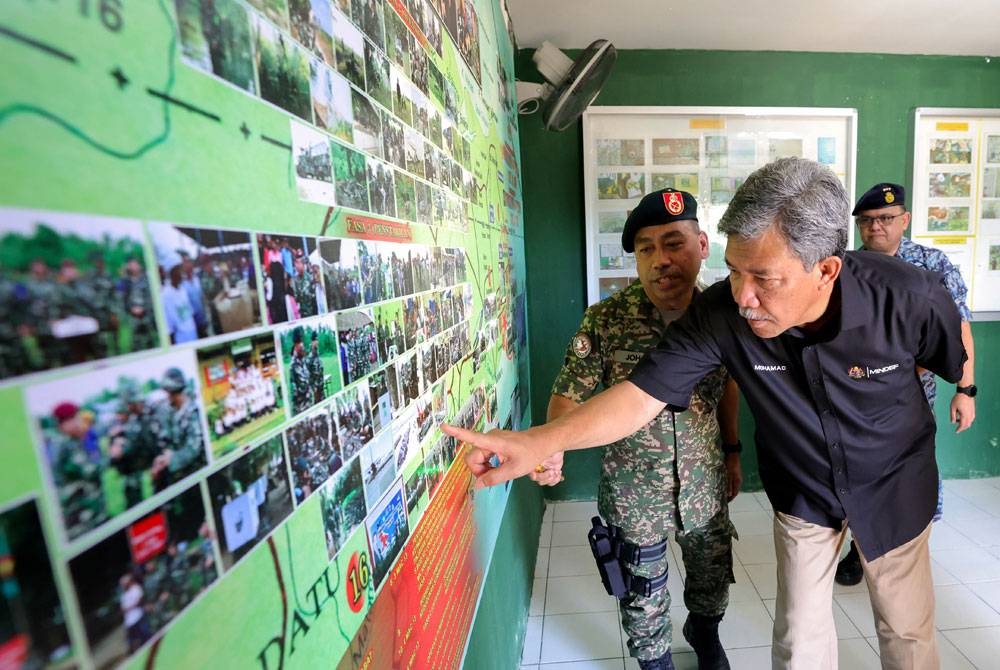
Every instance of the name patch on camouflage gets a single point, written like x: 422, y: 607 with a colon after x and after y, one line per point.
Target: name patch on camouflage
x: 622, y: 356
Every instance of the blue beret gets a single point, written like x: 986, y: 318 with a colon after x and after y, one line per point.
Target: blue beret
x: 879, y: 196
x: 656, y: 208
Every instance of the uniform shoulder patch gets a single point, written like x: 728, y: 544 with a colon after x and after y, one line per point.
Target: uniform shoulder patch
x: 582, y: 346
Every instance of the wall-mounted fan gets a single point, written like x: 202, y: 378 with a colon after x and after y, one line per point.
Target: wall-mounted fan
x: 571, y: 84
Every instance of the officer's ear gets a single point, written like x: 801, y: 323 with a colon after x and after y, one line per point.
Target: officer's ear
x: 829, y: 269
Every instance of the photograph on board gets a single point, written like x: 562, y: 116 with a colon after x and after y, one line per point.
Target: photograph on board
x: 620, y: 185
x: 381, y: 399
x: 283, y: 70
x: 73, y: 288
x: 377, y: 75
x: 249, y: 498
x: 241, y: 391
x: 342, y: 504
x: 392, y: 140
x: 341, y: 273
x: 389, y: 332
x: 381, y: 188
x: 276, y: 11
x: 676, y: 151
x: 367, y: 15
x: 292, y: 277
x: 313, y: 171
x: 132, y: 584
x: 313, y: 452
x: 387, y: 531
x: 956, y: 151
x: 378, y: 467
x: 354, y: 420
x: 349, y: 45
x: 311, y: 364
x: 111, y: 438
x: 312, y: 27
x: 331, y: 101
x: 376, y: 279
x: 215, y: 37
x: 367, y: 124
x: 358, y: 346
x: 208, y: 285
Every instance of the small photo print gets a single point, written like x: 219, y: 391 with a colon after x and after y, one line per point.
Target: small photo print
x: 131, y: 585
x: 313, y: 453
x: 34, y: 632
x: 292, y: 278
x: 377, y: 75
x: 73, y: 288
x: 275, y: 10
x: 376, y: 276
x: 349, y: 45
x: 209, y: 286
x: 991, y: 209
x: 611, y: 257
x: 387, y: 531
x: 677, y: 151
x: 993, y: 148
x: 620, y: 185
x: 367, y: 124
x: 392, y: 140
x: 313, y: 172
x: 783, y: 148
x: 381, y: 399
x: 358, y: 346
x: 951, y: 151
x: 991, y: 183
x: 381, y: 188
x: 283, y: 69
x: 621, y: 152
x: 413, y: 153
x: 378, y: 467
x: 367, y: 14
x: 312, y: 369
x: 948, y: 219
x: 341, y: 273
x: 402, y: 104
x: 995, y: 258
x: 723, y: 189
x: 331, y: 101
x: 241, y: 391
x: 608, y: 286
x: 354, y: 420
x: 742, y: 152
x: 389, y: 320
x: 681, y: 181
x: 342, y: 504
x: 406, y: 197
x: 468, y: 36
x: 215, y: 37
x: 112, y: 438
x: 613, y: 221
x: 949, y: 184
x: 351, y: 181
x: 826, y: 150
x: 313, y: 27
x: 250, y: 496
x: 716, y: 151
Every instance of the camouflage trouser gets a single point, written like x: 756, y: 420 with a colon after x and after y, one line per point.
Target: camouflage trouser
x: 708, y: 561
x: 929, y: 384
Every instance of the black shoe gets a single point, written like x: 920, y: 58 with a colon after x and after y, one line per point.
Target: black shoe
x: 665, y: 662
x: 849, y: 570
x: 702, y: 633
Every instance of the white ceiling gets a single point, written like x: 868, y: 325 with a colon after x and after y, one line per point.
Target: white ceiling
x: 943, y: 27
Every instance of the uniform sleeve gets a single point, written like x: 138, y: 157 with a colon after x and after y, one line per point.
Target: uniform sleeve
x: 952, y: 280
x: 940, y: 347
x: 688, y: 352
x: 583, y: 368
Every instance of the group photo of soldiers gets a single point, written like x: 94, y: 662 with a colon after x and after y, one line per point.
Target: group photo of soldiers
x: 312, y: 363
x: 376, y: 277
x: 291, y: 271
x: 358, y: 346
x: 72, y: 289
x: 208, y: 285
x: 128, y: 594
x: 313, y: 452
x: 354, y: 420
x: 115, y: 437
x: 241, y: 390
x: 249, y: 498
x: 381, y: 188
x: 378, y: 467
x: 341, y: 273
x: 342, y: 502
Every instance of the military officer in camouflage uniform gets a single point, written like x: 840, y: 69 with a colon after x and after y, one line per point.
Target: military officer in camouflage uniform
x: 76, y: 470
x: 316, y: 374
x: 133, y: 442
x: 671, y: 475
x: 106, y: 306
x: 301, y: 377
x: 181, y: 443
x: 137, y: 301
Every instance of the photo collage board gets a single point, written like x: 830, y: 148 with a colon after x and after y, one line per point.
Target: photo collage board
x: 708, y: 152
x: 223, y: 374
x: 956, y: 196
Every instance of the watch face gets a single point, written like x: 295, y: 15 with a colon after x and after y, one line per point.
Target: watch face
x: 970, y: 390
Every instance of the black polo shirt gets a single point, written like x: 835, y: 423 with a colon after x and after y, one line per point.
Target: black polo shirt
x: 843, y: 428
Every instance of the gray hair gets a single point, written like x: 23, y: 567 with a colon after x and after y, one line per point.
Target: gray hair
x: 803, y: 200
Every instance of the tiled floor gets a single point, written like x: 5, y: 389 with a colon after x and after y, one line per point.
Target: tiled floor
x: 573, y: 623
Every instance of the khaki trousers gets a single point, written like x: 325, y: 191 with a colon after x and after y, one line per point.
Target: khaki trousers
x: 900, y: 587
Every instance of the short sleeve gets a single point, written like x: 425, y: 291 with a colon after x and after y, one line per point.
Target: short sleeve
x: 940, y: 347
x: 582, y: 369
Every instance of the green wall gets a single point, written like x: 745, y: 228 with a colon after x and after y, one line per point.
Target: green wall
x: 884, y: 89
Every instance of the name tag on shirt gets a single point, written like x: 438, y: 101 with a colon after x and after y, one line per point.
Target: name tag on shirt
x: 630, y: 357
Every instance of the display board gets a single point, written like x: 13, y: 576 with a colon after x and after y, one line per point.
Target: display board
x: 252, y: 255
x: 956, y: 196
x: 706, y: 151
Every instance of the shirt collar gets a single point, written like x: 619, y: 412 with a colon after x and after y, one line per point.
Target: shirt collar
x: 852, y: 310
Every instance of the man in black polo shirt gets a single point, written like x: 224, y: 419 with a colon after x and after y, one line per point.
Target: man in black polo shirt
x: 824, y: 345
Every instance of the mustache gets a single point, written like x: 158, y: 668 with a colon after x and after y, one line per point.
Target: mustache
x: 748, y: 313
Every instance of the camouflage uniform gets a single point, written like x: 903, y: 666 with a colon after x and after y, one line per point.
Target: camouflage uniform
x: 301, y: 384
x: 304, y: 288
x: 138, y: 432
x: 644, y: 489
x: 316, y: 375
x: 106, y: 311
x: 137, y: 297
x: 78, y: 481
x: 179, y: 430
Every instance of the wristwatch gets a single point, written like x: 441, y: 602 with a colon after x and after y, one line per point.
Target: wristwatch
x: 732, y: 448
x: 969, y: 390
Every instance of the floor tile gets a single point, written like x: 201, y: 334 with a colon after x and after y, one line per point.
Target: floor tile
x: 764, y: 578
x: 570, y: 533
x: 858, y: 608
x: 746, y: 624
x: 951, y: 657
x: 981, y: 646
x: 959, y: 607
x: 537, y: 604
x: 989, y: 592
x: 572, y: 561
x: 532, y: 641
x: 857, y: 654
x: 575, y: 511
x: 545, y: 534
x: 754, y: 549
x: 580, y: 637
x: 945, y: 536
x: 743, y: 589
x: 567, y: 595
x: 542, y: 563
x: 984, y: 532
x: 605, y: 664
x: 750, y: 658
x: 744, y: 502
x: 756, y: 522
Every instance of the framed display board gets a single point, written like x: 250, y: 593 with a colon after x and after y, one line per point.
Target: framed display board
x: 956, y: 196
x: 707, y: 151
